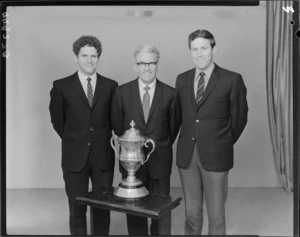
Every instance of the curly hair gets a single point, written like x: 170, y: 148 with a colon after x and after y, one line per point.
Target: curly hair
x: 89, y: 41
x: 205, y: 34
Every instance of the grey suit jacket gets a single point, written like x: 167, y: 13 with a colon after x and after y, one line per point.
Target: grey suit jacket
x: 216, y: 124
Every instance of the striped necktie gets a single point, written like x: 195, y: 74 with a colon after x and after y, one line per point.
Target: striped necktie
x: 146, y: 103
x: 200, y: 88
x: 90, y: 92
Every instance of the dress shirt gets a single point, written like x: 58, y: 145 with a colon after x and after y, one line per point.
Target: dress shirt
x: 142, y: 85
x: 207, y: 75
x: 83, y: 79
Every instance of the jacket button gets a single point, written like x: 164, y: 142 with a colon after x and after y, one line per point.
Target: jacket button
x: 197, y: 121
x: 91, y: 129
x: 193, y: 138
x: 89, y: 144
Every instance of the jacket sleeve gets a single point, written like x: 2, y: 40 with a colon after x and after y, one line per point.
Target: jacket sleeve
x: 175, y: 117
x: 57, y: 110
x: 177, y: 83
x: 238, y: 107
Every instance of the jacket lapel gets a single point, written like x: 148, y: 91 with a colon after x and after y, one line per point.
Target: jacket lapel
x: 137, y: 98
x: 156, y: 97
x: 98, y: 90
x: 191, y: 78
x: 78, y: 88
x: 213, y: 80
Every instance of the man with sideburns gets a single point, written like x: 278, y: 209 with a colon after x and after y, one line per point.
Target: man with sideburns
x: 80, y: 110
x: 214, y: 114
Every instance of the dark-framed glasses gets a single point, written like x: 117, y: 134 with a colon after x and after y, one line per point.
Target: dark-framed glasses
x: 149, y: 64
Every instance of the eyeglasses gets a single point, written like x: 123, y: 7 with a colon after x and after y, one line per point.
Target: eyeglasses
x: 143, y: 64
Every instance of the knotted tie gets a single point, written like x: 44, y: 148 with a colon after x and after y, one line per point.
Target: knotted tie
x: 146, y: 103
x: 90, y: 92
x: 200, y: 88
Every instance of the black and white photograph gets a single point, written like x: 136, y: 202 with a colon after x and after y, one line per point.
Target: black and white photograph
x: 149, y: 118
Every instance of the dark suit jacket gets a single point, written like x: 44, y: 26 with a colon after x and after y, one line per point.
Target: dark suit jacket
x: 162, y: 126
x: 218, y: 122
x: 80, y: 126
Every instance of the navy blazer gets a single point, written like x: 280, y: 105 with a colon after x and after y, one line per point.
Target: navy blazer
x: 218, y: 121
x: 162, y: 125
x: 80, y: 126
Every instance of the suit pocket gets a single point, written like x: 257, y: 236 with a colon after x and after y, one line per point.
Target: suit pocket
x: 221, y: 128
x: 67, y: 136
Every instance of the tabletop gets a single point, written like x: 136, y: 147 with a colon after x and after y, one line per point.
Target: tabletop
x: 155, y: 207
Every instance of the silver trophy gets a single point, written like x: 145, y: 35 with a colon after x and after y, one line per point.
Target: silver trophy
x: 129, y: 150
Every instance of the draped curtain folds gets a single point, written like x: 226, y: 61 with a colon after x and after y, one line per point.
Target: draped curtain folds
x: 279, y: 61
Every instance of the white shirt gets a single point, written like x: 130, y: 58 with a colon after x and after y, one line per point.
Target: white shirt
x: 83, y: 79
x: 207, y: 75
x: 142, y: 85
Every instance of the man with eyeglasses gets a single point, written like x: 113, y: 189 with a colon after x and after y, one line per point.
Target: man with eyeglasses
x: 154, y: 108
x: 80, y: 113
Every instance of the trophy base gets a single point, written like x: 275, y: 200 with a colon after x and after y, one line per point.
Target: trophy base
x: 126, y: 193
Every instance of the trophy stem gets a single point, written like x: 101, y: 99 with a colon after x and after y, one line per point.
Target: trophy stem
x: 131, y: 177
x: 131, y: 189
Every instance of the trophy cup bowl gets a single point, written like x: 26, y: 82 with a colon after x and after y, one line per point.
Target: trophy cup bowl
x: 129, y: 150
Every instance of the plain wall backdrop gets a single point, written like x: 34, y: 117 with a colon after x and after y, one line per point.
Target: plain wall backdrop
x: 40, y: 51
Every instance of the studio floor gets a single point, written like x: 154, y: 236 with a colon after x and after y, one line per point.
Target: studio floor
x: 249, y: 211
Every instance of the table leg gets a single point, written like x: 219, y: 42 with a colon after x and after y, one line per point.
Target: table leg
x: 91, y: 220
x: 164, y: 225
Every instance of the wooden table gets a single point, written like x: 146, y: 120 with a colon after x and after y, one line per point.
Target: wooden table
x: 157, y: 207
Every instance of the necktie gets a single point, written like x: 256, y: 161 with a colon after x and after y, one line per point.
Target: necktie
x: 90, y: 92
x: 146, y: 103
x: 200, y: 88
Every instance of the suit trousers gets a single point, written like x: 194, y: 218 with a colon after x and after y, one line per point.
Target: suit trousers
x: 137, y: 225
x: 76, y: 184
x: 198, y: 183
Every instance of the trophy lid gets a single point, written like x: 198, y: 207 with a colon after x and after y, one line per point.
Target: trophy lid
x: 132, y: 134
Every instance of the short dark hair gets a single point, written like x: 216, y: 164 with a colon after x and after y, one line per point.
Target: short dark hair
x: 202, y: 34
x: 89, y: 41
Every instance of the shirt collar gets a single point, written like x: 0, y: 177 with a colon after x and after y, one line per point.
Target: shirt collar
x: 207, y: 71
x: 83, y: 77
x: 142, y: 85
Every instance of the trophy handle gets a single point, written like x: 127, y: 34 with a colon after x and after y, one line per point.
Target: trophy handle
x: 112, y: 143
x: 153, y: 147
